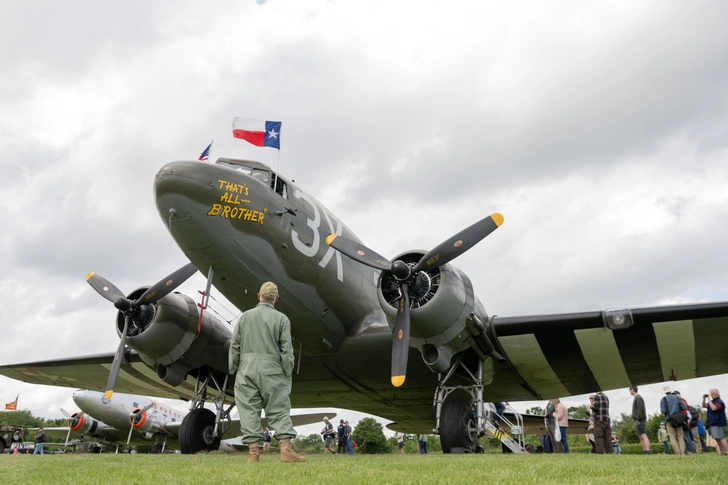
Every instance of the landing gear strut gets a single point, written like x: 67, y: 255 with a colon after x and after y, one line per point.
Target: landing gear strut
x: 459, y: 422
x: 202, y: 429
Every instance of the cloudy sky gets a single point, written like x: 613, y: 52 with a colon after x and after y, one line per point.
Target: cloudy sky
x: 599, y: 130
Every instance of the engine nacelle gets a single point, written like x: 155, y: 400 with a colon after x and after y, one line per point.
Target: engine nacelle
x: 144, y: 423
x: 442, y: 304
x: 85, y: 425
x: 165, y: 334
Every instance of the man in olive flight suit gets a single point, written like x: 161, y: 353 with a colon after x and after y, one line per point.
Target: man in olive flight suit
x: 261, y: 359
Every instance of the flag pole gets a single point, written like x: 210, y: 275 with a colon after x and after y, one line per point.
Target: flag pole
x: 278, y: 164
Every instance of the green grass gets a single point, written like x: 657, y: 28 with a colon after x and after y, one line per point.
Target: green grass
x: 364, y: 469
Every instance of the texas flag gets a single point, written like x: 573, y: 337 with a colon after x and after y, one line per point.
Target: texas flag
x: 259, y: 133
x: 12, y: 406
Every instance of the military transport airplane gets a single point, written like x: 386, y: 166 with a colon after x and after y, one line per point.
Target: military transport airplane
x: 140, y: 421
x: 241, y: 224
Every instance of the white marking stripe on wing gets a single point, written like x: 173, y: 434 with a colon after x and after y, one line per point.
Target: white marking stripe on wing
x: 524, y: 353
x: 602, y: 356
x: 676, y: 344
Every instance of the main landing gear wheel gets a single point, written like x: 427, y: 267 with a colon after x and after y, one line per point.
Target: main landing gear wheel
x: 196, y: 432
x: 156, y: 449
x: 458, y: 428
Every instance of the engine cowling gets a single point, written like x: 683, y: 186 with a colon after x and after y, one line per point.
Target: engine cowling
x: 168, y: 336
x: 442, y: 302
x: 85, y: 425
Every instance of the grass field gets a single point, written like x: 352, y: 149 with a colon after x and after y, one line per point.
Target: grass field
x: 364, y: 469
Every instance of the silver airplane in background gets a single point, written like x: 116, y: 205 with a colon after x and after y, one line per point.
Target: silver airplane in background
x: 139, y: 421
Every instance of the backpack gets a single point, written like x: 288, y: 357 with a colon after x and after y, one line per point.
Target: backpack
x: 694, y: 413
x: 678, y: 419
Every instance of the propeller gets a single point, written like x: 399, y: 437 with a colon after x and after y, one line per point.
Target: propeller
x: 134, y: 416
x: 131, y: 309
x: 412, y: 278
x: 71, y: 419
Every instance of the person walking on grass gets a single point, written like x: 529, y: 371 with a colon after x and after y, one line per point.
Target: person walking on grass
x: 39, y: 442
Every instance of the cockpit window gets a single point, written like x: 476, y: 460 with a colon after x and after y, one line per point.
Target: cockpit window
x: 259, y: 174
x: 281, y: 188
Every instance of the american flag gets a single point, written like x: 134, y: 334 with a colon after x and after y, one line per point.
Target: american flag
x: 205, y: 155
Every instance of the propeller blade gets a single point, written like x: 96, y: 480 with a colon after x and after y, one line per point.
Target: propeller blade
x: 116, y: 365
x: 127, y: 409
x: 104, y: 287
x: 128, y: 438
x: 147, y: 407
x: 164, y: 287
x: 358, y: 252
x: 448, y: 250
x: 65, y: 413
x: 400, y: 339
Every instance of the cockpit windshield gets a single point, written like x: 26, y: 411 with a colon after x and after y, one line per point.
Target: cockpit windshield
x: 259, y: 172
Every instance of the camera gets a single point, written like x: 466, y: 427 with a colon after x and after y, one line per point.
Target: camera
x: 705, y: 395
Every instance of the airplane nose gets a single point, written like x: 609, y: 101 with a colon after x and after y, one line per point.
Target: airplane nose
x: 183, y: 191
x: 82, y: 398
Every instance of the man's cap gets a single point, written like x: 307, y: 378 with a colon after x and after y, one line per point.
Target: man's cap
x: 269, y: 288
x: 633, y: 388
x: 341, y: 420
x: 326, y: 418
x: 662, y: 422
x: 667, y: 389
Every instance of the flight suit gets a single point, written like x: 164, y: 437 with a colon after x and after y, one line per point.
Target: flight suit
x: 261, y: 359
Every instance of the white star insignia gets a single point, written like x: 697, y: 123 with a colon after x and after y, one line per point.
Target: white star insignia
x: 272, y: 133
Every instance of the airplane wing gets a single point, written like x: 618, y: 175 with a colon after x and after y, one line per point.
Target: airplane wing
x: 107, y: 433
x: 579, y: 353
x: 92, y: 372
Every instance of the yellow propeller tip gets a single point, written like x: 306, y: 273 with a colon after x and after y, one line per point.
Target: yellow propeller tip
x: 89, y: 275
x: 330, y: 238
x: 497, y: 218
x: 397, y: 380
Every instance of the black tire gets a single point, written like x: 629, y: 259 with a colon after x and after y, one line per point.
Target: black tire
x: 2, y: 447
x: 156, y: 449
x: 458, y: 427
x: 195, y: 432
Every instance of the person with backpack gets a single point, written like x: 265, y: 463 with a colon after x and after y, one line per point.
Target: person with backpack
x: 687, y: 436
x: 672, y: 408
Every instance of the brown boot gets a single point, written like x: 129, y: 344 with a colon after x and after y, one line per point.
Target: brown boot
x: 253, y: 453
x: 287, y: 453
